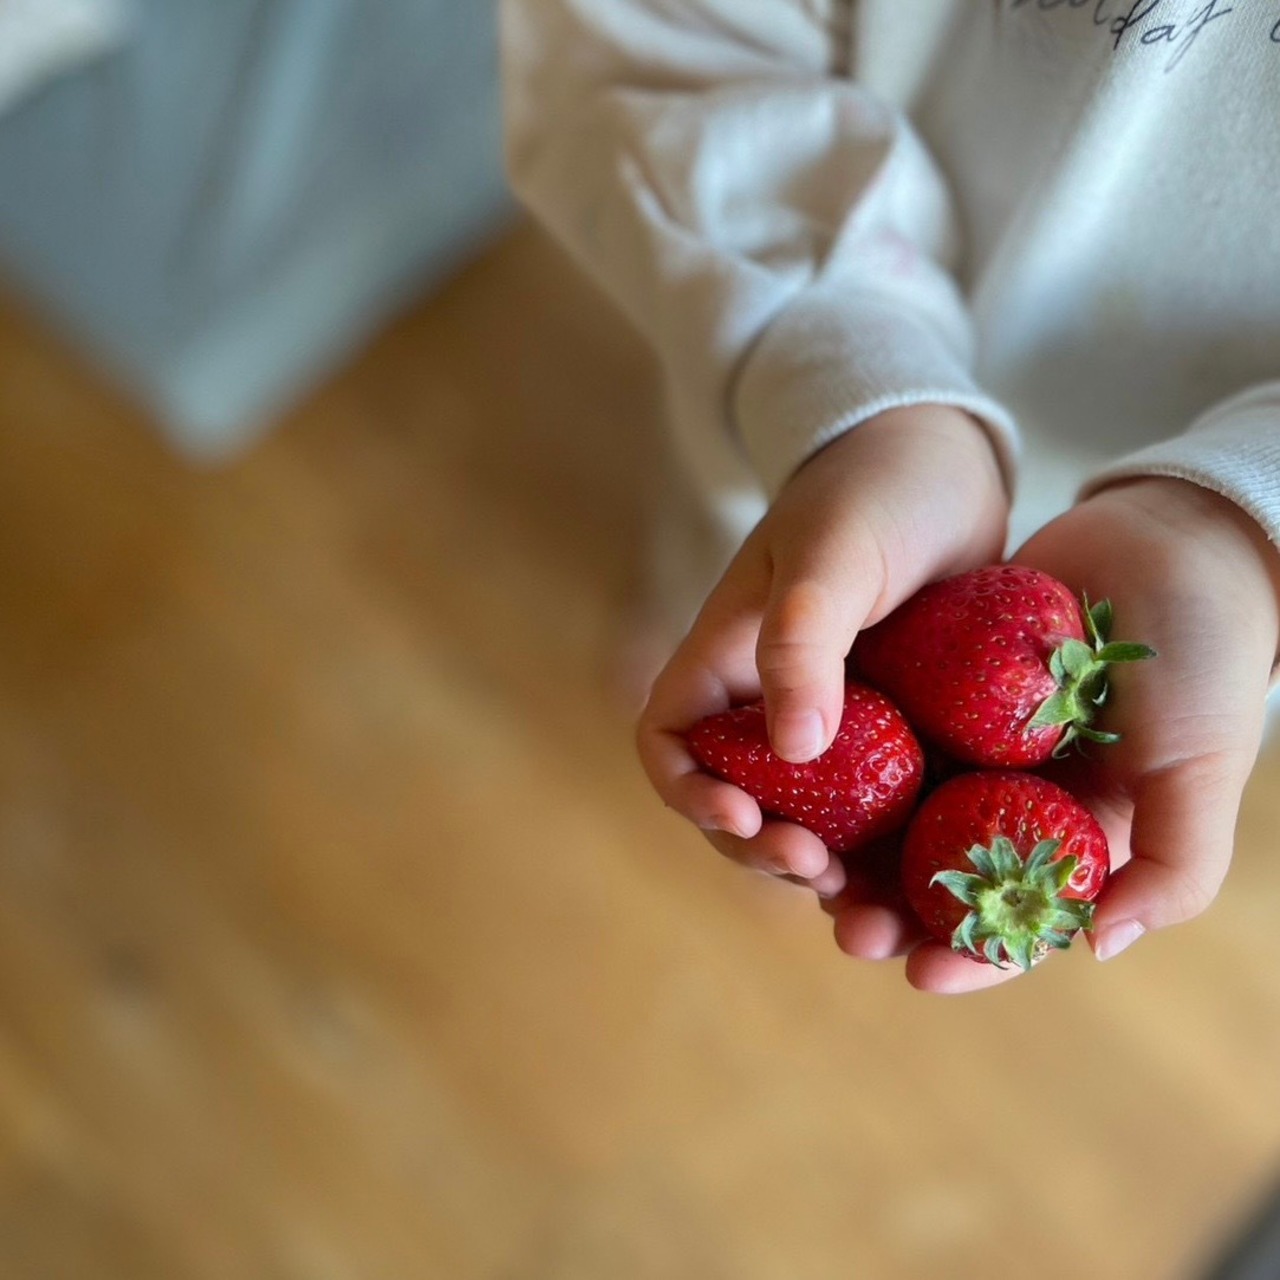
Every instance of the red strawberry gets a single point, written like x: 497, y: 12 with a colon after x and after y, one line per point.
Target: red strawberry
x: 863, y: 786
x: 999, y: 667
x: 1003, y: 866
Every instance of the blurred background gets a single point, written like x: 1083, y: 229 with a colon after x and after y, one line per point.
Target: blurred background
x: 339, y: 935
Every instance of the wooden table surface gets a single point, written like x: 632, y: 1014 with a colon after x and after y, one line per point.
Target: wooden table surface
x: 340, y: 938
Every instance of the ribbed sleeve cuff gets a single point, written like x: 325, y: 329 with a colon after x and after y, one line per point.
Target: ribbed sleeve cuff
x: 1234, y: 450
x: 837, y: 357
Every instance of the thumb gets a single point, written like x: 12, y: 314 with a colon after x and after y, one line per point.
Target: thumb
x: 806, y: 631
x: 1182, y: 839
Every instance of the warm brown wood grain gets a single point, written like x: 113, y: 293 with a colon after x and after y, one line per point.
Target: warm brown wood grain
x: 340, y: 938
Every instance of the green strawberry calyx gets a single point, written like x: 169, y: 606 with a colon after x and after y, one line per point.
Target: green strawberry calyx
x: 1079, y: 669
x: 1017, y: 909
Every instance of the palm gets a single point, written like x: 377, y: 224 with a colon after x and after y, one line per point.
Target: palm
x: 1190, y: 721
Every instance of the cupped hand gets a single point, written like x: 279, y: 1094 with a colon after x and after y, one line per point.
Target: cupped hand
x: 909, y: 495
x: 1192, y: 575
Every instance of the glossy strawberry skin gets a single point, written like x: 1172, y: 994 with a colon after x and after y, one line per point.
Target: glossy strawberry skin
x: 967, y: 660
x: 974, y: 809
x: 862, y: 787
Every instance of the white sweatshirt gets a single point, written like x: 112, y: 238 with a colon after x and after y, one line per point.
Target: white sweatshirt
x: 1060, y: 215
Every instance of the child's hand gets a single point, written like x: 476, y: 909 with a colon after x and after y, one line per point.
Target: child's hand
x: 1190, y: 574
x: 910, y: 495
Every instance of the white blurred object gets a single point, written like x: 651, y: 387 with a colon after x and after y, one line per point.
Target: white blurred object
x: 43, y: 39
x: 235, y: 198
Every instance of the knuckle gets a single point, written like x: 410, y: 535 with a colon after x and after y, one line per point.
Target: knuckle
x: 1213, y: 748
x: 1191, y: 895
x: 791, y: 635
x: 802, y: 608
x: 786, y: 665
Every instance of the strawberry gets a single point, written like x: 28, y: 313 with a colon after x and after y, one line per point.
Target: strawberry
x: 1004, y: 866
x: 999, y: 667
x: 863, y: 786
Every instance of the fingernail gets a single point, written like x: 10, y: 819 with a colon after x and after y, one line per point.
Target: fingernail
x: 1114, y: 940
x: 718, y: 822
x: 808, y: 865
x: 799, y: 736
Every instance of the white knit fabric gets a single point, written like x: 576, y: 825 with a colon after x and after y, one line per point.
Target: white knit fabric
x: 1062, y: 214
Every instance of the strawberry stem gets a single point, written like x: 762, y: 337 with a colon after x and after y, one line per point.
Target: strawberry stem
x: 1080, y: 671
x: 1017, y: 909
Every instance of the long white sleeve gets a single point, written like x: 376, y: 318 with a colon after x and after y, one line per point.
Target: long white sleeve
x: 779, y: 236
x: 1233, y: 449
x: 759, y: 185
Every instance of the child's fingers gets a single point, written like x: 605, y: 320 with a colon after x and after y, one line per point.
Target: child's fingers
x: 713, y: 669
x: 808, y: 627
x: 784, y: 849
x: 873, y: 930
x: 828, y: 884
x: 1181, y: 842
x: 935, y: 968
x: 709, y: 803
x: 871, y: 919
x: 682, y: 694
